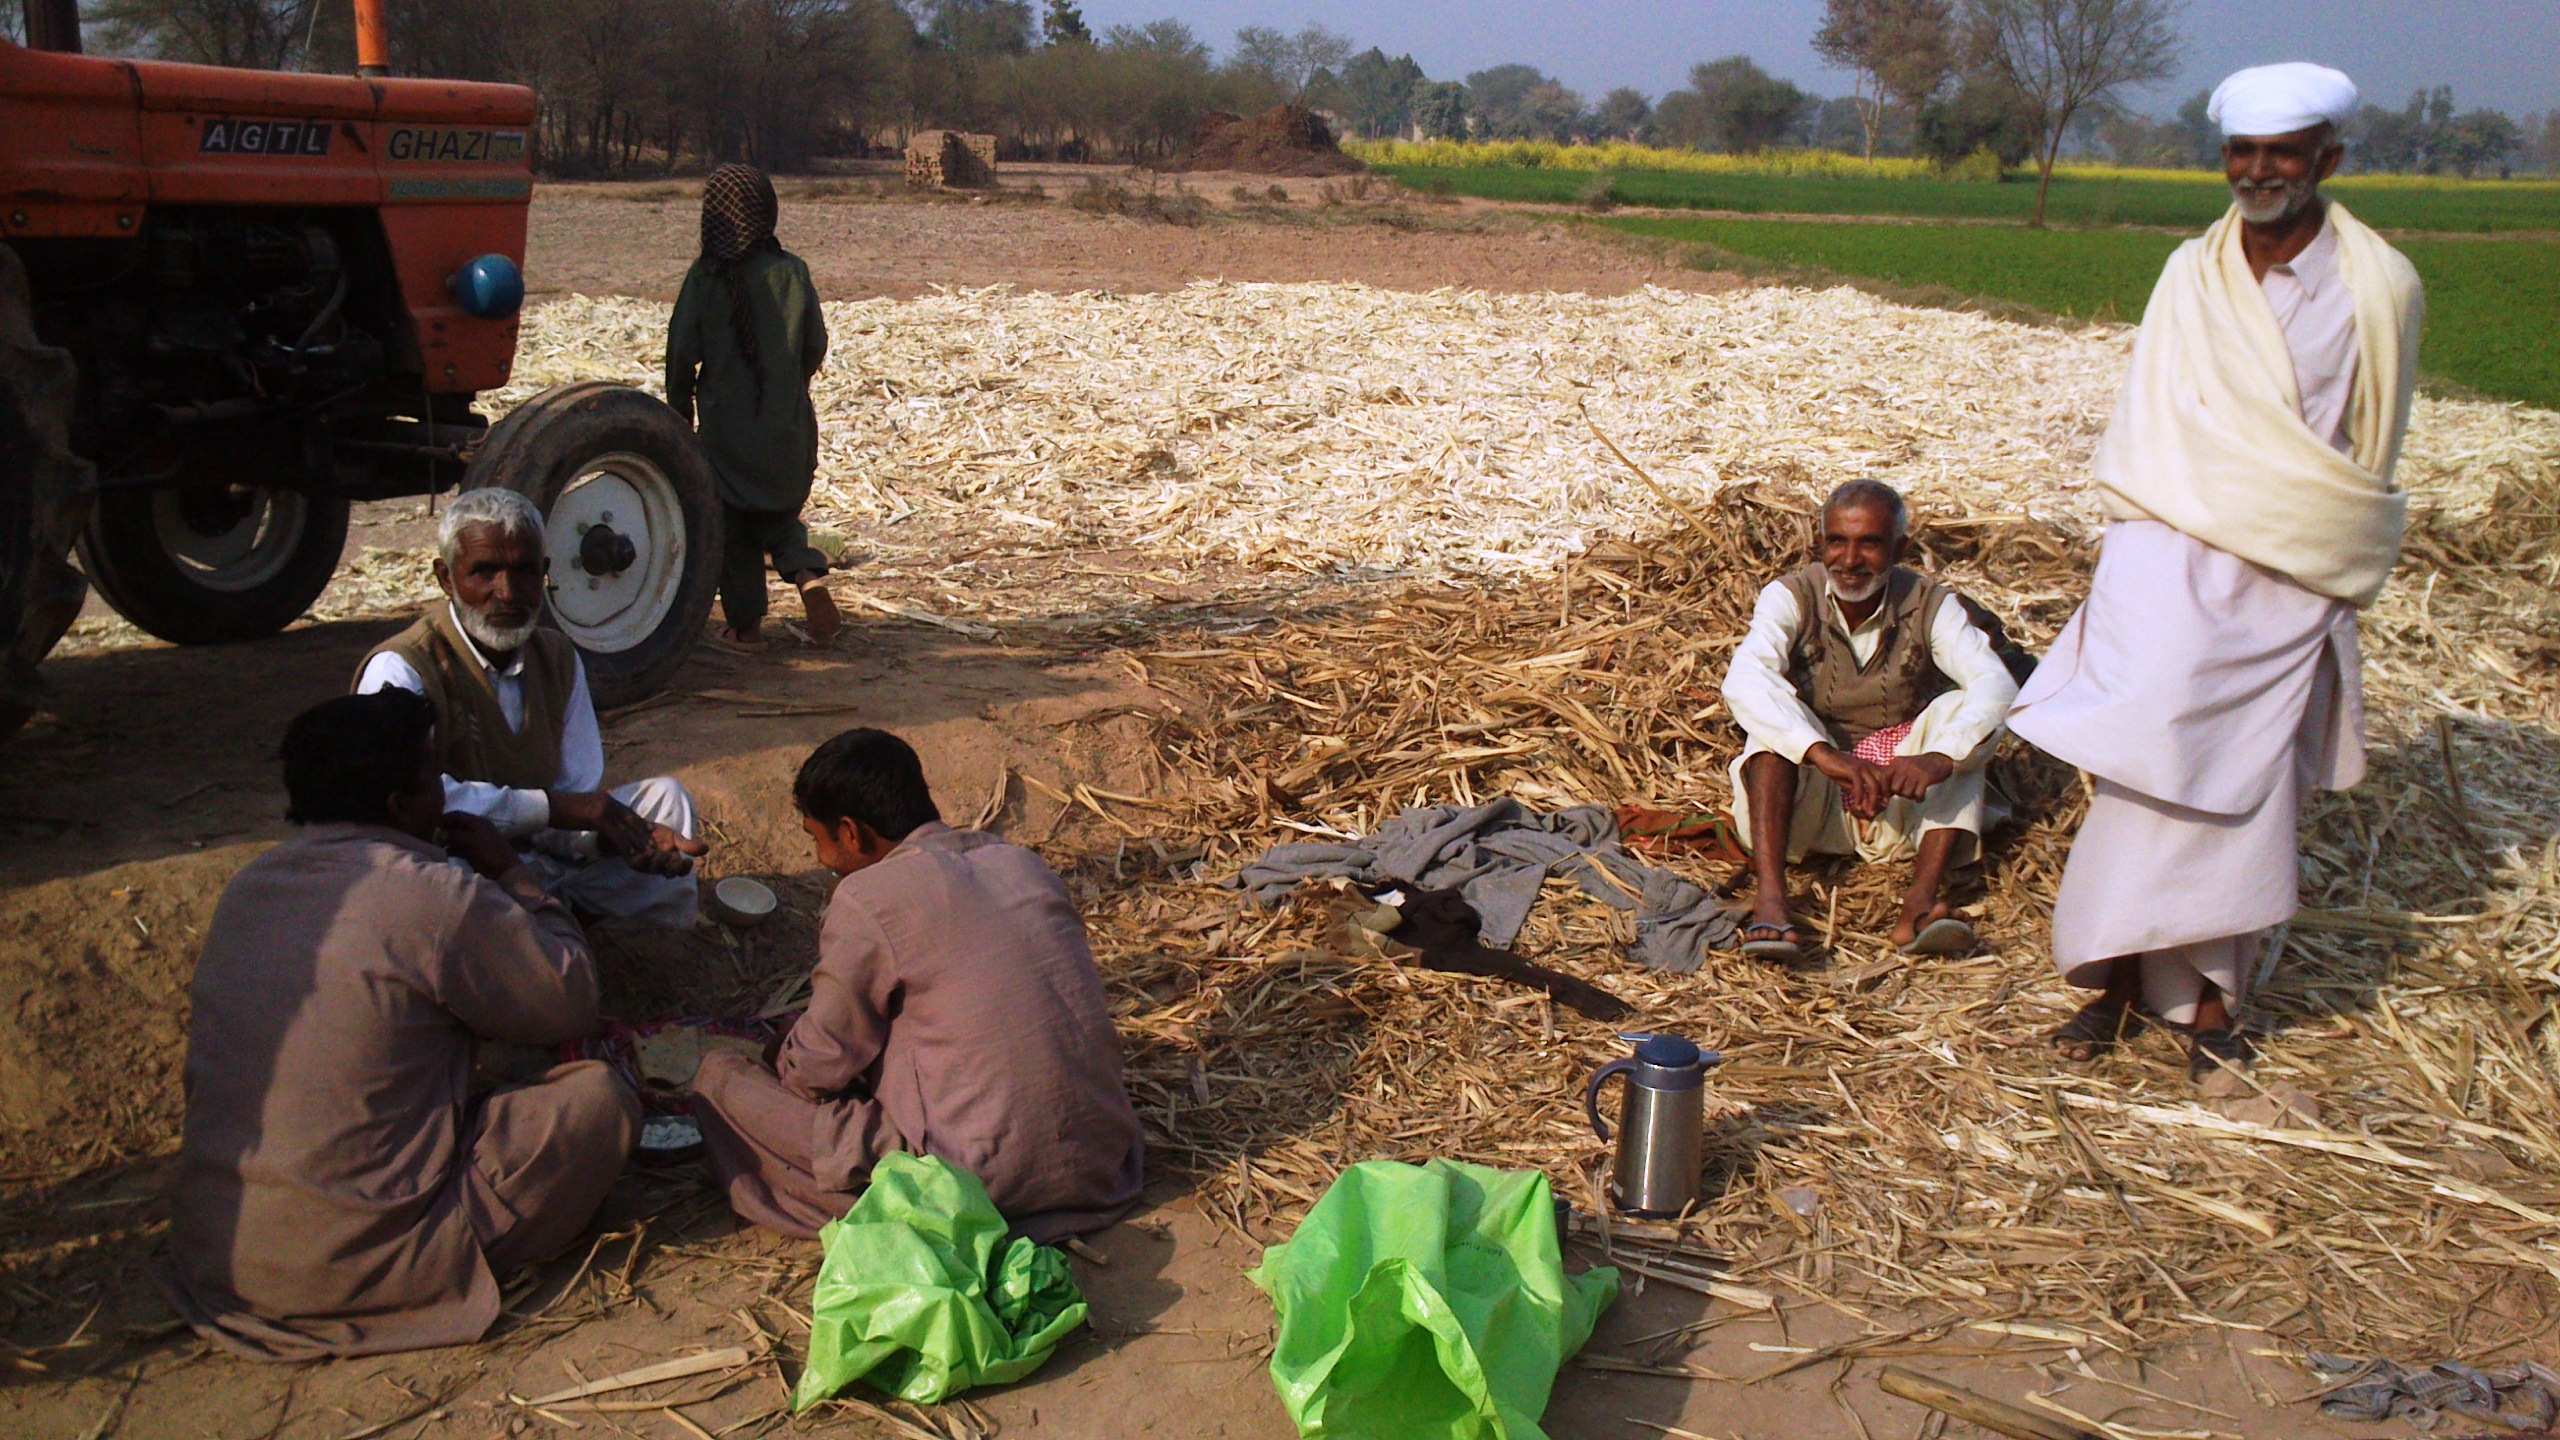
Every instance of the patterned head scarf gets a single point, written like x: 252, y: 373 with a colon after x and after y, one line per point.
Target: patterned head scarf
x: 738, y: 212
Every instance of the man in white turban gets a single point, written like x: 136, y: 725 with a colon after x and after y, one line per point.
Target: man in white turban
x: 2211, y: 680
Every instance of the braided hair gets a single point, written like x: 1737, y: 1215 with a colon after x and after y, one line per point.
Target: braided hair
x: 739, y: 209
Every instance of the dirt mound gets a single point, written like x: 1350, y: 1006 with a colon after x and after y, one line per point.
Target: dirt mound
x: 1283, y: 140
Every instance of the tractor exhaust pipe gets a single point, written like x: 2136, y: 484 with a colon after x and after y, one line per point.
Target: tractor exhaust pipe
x: 373, y: 41
x: 53, y: 25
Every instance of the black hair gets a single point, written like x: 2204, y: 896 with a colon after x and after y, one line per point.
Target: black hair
x: 345, y: 758
x: 866, y: 775
x: 1871, y: 495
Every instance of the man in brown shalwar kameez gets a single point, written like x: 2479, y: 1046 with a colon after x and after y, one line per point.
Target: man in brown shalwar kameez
x: 337, y: 1193
x: 955, y: 1011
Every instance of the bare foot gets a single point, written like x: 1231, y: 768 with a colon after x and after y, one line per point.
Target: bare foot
x: 820, y: 607
x: 742, y: 642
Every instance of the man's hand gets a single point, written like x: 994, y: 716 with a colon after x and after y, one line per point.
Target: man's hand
x: 1863, y: 791
x: 1913, y: 776
x: 479, y: 844
x: 619, y: 830
x: 666, y: 853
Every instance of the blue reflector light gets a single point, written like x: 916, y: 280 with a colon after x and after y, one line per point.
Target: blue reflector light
x: 489, y: 288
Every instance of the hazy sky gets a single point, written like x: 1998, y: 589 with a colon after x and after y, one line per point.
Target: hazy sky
x: 2502, y: 53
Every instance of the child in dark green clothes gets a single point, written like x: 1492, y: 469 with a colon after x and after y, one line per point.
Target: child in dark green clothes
x: 744, y: 340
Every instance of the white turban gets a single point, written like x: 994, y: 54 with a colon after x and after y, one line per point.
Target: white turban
x: 2280, y: 99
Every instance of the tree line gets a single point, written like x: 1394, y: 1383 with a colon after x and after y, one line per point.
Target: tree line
x: 640, y: 85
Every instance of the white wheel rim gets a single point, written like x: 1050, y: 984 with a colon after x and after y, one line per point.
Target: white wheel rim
x: 611, y: 612
x: 230, y: 542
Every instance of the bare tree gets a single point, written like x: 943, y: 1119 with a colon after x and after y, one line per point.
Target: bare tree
x: 2065, y: 56
x: 1287, y: 63
x: 256, y: 34
x: 1897, y: 51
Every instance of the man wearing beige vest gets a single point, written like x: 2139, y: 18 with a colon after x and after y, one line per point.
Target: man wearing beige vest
x: 518, y: 732
x: 2211, y: 680
x: 1872, y: 703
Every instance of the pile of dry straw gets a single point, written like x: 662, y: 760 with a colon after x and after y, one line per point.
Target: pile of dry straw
x: 1885, y: 1133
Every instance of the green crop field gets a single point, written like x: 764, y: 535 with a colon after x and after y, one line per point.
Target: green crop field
x: 2082, y: 198
x: 2493, y: 306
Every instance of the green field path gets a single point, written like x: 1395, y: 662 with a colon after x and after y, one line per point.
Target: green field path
x: 2389, y: 202
x: 2493, y: 306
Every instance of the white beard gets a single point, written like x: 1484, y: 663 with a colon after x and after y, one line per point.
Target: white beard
x: 1862, y: 594
x: 2271, y: 207
x: 491, y: 637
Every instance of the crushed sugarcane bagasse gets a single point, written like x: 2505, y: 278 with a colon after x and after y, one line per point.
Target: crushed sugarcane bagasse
x: 1506, y: 609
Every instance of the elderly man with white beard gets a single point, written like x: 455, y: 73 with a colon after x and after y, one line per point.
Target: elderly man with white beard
x: 1872, y: 703
x: 517, y: 732
x: 2211, y: 680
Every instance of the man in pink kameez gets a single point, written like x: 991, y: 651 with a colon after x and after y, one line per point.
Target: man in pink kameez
x: 2212, y: 679
x: 955, y: 1011
x: 338, y: 1190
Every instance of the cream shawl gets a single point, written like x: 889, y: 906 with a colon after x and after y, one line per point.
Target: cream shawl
x: 2208, y: 434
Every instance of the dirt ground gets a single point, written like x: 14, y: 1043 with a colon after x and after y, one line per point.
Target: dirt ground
x: 637, y: 239
x: 151, y: 780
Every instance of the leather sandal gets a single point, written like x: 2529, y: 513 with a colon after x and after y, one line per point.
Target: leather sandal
x: 2212, y: 1050
x: 2101, y: 1026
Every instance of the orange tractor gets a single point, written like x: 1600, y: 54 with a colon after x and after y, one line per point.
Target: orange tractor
x: 233, y: 303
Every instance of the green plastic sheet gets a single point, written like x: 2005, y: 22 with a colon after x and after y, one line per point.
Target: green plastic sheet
x: 920, y: 1296
x: 1427, y: 1303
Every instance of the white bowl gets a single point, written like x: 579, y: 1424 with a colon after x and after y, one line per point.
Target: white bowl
x: 742, y: 902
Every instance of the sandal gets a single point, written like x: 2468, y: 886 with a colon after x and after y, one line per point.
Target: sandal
x: 731, y: 641
x: 1782, y: 944
x: 1946, y: 935
x: 820, y: 607
x: 2101, y: 1025
x: 2212, y: 1050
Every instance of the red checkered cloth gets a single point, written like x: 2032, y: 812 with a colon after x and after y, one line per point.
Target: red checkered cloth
x: 1878, y: 748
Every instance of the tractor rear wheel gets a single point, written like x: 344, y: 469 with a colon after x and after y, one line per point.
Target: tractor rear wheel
x: 44, y: 498
x: 211, y: 564
x: 633, y: 521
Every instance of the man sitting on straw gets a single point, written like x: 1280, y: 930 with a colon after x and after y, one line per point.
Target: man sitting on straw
x: 337, y: 1191
x: 519, y: 739
x: 955, y: 1011
x: 1872, y: 703
x: 2212, y: 678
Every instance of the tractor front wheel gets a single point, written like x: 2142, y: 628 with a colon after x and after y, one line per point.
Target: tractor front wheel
x: 209, y: 564
x: 633, y: 521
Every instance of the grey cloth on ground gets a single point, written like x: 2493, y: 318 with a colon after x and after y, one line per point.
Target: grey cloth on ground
x: 1498, y: 855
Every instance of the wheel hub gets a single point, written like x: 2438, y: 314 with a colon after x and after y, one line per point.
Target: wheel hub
x: 232, y: 538
x: 617, y: 537
x: 605, y: 551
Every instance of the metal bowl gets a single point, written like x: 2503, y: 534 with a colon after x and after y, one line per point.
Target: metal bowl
x: 742, y: 902
x: 669, y: 1140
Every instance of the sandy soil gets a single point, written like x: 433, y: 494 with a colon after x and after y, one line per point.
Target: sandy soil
x: 151, y: 779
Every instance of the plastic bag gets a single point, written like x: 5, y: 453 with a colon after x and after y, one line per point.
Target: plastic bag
x: 920, y: 1296
x: 1427, y: 1303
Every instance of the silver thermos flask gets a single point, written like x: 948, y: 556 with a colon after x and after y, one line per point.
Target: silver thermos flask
x: 1662, y: 1127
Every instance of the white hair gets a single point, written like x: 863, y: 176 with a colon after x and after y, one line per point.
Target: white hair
x: 494, y: 505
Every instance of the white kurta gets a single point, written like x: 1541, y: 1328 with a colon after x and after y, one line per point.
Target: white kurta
x: 1963, y: 725
x: 2205, y: 696
x: 570, y: 864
